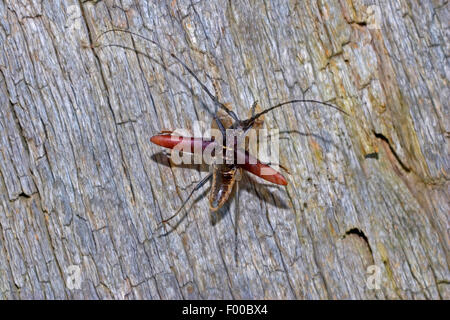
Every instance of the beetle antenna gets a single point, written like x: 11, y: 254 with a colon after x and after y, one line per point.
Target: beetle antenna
x: 213, y: 97
x: 249, y: 122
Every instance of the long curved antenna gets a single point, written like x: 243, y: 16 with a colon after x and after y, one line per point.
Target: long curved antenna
x: 213, y: 97
x: 249, y: 122
x: 198, y: 186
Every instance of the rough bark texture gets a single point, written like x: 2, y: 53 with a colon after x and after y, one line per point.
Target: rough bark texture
x: 81, y: 186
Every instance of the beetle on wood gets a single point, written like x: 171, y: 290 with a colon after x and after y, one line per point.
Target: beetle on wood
x: 224, y: 175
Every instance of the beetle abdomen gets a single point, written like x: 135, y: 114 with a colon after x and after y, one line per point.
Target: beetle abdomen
x: 222, y: 184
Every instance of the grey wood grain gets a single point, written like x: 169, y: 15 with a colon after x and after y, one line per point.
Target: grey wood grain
x: 82, y: 188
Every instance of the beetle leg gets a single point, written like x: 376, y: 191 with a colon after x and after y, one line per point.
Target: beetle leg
x: 198, y: 186
x: 220, y: 125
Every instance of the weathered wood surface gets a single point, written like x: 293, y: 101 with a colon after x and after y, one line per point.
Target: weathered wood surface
x: 81, y: 185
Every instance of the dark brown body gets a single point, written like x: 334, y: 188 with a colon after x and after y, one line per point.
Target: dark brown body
x: 224, y: 177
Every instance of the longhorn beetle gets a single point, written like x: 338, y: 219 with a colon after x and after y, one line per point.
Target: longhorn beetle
x: 223, y: 175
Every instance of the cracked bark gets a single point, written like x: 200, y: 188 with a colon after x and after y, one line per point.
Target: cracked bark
x: 81, y: 185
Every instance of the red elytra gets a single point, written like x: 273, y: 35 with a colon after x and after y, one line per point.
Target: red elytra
x: 251, y: 164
